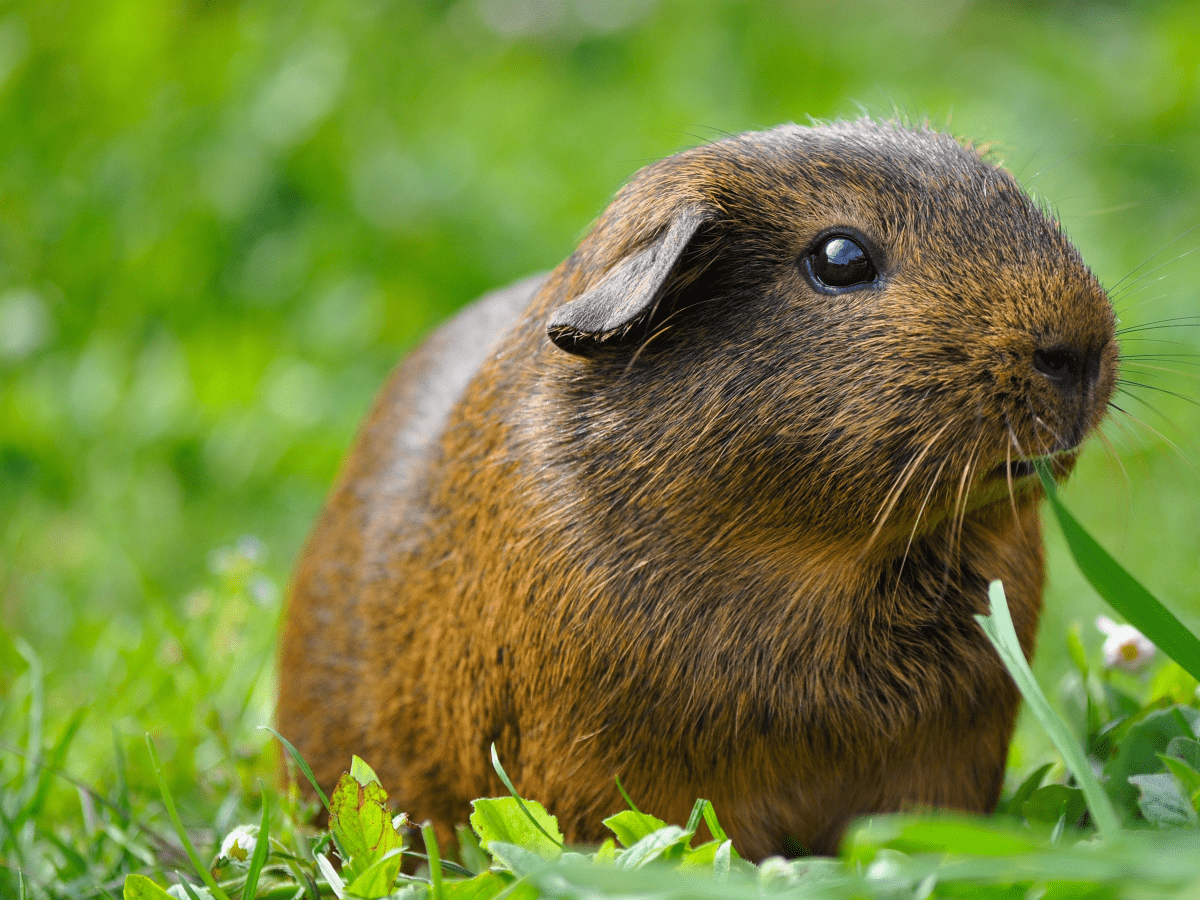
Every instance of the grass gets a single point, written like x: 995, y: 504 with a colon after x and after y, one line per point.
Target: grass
x: 1134, y: 829
x: 207, y: 268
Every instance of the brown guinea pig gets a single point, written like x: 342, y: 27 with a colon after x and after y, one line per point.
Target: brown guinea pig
x: 711, y: 506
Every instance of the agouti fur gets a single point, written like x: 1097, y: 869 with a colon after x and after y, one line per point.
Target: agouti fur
x: 685, y: 513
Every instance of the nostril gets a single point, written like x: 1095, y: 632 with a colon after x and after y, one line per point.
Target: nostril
x: 1056, y: 364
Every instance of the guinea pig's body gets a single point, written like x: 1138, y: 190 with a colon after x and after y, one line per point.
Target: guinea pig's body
x: 711, y: 507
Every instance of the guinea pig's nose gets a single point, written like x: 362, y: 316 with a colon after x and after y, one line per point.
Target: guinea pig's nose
x: 1060, y: 364
x: 1074, y: 372
x: 1070, y: 368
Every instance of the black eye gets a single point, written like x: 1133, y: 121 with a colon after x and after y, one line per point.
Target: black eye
x: 839, y: 262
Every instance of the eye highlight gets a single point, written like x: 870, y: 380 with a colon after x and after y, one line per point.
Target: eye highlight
x: 839, y: 261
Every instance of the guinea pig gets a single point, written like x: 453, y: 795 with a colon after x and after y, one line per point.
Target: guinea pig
x: 712, y: 505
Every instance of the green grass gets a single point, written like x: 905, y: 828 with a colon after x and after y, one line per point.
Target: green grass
x: 1136, y: 833
x: 208, y: 265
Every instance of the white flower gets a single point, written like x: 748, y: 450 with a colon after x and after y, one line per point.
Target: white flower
x: 1124, y: 646
x: 239, y: 844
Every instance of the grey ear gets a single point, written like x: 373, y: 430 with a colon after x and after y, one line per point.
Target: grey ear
x: 629, y: 292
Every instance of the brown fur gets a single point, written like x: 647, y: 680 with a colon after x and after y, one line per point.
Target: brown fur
x: 730, y: 545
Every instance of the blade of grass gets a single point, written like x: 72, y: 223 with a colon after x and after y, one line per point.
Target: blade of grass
x: 48, y: 766
x: 331, y: 876
x: 299, y: 760
x: 447, y: 865
x: 1119, y: 589
x: 200, y: 868
x: 710, y: 816
x: 433, y: 854
x: 693, y: 821
x: 625, y: 796
x: 521, y: 803
x: 261, y: 849
x: 120, y: 801
x: 37, y: 718
x: 999, y: 628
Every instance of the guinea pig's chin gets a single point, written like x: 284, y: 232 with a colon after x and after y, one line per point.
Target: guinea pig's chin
x: 1019, y: 474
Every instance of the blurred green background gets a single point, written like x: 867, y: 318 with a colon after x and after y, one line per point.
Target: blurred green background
x: 222, y: 223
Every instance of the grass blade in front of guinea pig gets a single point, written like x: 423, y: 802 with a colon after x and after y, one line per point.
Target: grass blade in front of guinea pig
x: 262, y: 848
x: 1120, y: 590
x: 169, y: 802
x: 999, y: 628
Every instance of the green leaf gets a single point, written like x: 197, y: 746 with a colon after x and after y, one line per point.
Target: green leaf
x: 1173, y: 682
x: 723, y: 859
x: 715, y: 854
x: 481, y: 887
x: 1187, y: 776
x: 1076, y: 650
x: 506, y: 820
x: 1186, y: 749
x: 1049, y: 804
x: 1161, y: 801
x: 606, y: 853
x: 1120, y: 589
x: 362, y: 773
x: 518, y: 860
x: 631, y: 826
x: 702, y: 856
x: 377, y: 879
x: 1136, y: 753
x: 999, y: 629
x: 943, y: 832
x: 1013, y: 805
x: 667, y: 842
x: 360, y: 820
x: 469, y: 850
x: 139, y: 887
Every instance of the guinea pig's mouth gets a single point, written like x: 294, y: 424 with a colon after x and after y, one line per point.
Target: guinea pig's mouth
x: 1026, y: 466
x: 1014, y: 469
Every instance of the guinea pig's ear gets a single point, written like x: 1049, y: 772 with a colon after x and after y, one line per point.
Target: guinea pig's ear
x: 629, y: 293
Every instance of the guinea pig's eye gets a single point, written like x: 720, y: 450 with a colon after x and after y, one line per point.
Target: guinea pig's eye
x: 839, y: 261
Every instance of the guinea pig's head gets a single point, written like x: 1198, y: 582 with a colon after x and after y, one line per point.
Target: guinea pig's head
x: 850, y: 328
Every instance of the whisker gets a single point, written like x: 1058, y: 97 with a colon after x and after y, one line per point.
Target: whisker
x: 1151, y: 258
x: 1151, y: 371
x: 1110, y: 209
x: 968, y: 473
x: 1146, y: 340
x: 933, y: 483
x: 1122, y: 306
x: 1135, y: 439
x: 1120, y: 300
x: 1012, y: 494
x: 1114, y: 457
x: 1173, y: 322
x: 1126, y: 383
x: 893, y: 496
x: 1144, y: 424
x: 1185, y: 359
x: 1038, y: 420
